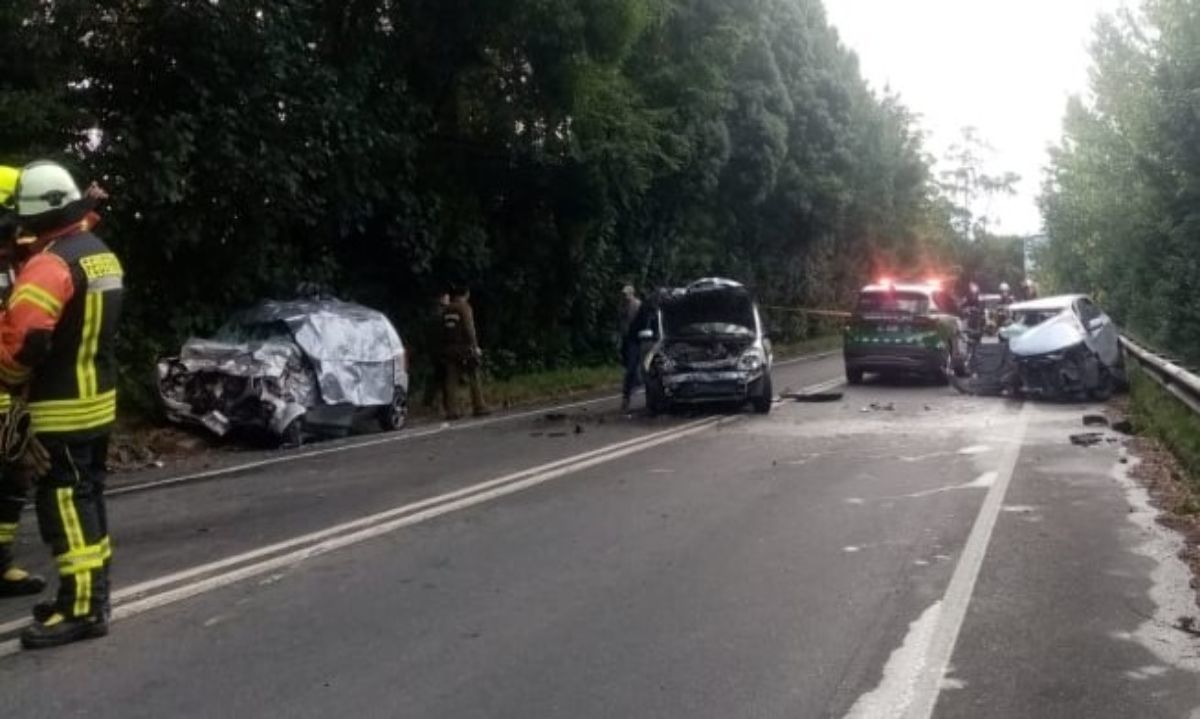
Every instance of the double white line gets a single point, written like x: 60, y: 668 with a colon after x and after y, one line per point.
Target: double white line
x: 161, y: 591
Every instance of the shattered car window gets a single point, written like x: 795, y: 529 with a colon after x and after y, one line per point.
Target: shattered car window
x: 909, y: 303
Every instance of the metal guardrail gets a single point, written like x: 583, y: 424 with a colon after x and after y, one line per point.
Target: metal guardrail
x: 1179, y: 381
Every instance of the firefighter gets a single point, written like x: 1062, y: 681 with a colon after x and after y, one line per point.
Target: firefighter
x: 1028, y: 290
x: 1006, y: 295
x: 14, y: 481
x: 461, y: 355
x: 57, y: 339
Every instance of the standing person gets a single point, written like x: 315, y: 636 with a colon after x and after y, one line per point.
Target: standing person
x: 436, y: 381
x: 461, y: 354
x: 14, y: 481
x: 57, y: 343
x: 1028, y: 290
x: 630, y: 344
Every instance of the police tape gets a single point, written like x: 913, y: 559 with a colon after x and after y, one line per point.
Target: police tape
x: 836, y: 314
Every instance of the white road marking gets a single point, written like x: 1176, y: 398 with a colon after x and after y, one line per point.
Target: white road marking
x: 902, y: 674
x: 983, y: 481
x: 133, y: 600
x: 912, y: 679
x: 410, y: 435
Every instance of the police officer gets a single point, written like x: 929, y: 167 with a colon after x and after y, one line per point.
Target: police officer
x: 461, y: 355
x: 57, y: 343
x: 14, y: 481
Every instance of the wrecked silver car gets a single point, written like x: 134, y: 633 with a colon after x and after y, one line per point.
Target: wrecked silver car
x: 1062, y: 347
x: 712, y: 348
x: 293, y: 369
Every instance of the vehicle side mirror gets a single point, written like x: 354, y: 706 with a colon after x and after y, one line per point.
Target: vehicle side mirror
x: 646, y: 335
x: 1095, y: 323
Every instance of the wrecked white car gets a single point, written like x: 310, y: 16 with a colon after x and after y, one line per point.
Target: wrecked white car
x: 292, y: 369
x: 712, y: 348
x: 1063, y: 347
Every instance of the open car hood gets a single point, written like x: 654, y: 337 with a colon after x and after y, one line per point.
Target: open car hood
x: 717, y: 311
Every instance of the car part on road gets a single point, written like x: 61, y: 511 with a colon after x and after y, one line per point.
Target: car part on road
x: 1095, y: 420
x: 1087, y: 439
x: 813, y: 396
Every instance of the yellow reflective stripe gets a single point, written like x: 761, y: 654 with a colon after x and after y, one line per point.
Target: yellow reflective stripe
x: 13, y: 374
x: 74, y: 414
x: 83, y: 594
x: 37, y: 297
x: 85, y: 363
x: 8, y: 532
x: 5, y: 401
x: 106, y: 548
x: 87, y: 560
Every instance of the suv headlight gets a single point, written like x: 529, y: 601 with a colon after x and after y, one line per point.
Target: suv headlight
x: 751, y: 361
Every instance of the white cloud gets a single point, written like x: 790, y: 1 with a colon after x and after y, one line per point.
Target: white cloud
x: 1006, y: 67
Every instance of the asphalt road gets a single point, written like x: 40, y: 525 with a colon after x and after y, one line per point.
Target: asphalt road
x: 933, y: 555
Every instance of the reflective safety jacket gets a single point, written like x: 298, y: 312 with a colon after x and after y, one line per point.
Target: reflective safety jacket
x: 58, y: 335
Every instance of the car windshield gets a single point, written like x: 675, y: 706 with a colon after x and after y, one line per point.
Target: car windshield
x: 879, y: 302
x: 710, y: 313
x: 1033, y: 318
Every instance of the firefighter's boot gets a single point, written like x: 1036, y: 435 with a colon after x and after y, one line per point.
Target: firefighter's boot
x: 58, y: 629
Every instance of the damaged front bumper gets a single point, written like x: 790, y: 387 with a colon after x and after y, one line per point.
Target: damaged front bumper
x: 1071, y: 372
x: 711, y: 386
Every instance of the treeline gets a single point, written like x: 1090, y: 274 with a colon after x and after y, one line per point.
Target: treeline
x: 1122, y: 200
x: 541, y: 151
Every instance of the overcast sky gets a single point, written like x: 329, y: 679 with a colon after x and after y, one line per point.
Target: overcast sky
x: 1006, y: 67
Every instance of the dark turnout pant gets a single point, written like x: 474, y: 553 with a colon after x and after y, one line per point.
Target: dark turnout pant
x: 455, y: 372
x: 72, y: 518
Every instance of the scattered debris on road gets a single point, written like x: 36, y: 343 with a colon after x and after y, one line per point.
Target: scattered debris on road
x: 1124, y: 426
x: 1095, y: 420
x: 877, y: 407
x: 1087, y: 439
x: 813, y: 396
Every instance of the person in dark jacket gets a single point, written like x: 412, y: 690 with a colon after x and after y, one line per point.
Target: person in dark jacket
x: 436, y: 380
x: 461, y: 356
x: 630, y: 344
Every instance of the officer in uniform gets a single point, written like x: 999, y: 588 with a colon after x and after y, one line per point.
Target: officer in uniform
x: 461, y: 356
x: 15, y: 481
x: 57, y: 344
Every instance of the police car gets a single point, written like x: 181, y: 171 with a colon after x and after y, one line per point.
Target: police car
x: 904, y: 328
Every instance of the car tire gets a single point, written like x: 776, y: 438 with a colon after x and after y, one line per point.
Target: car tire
x: 1104, y: 391
x: 854, y: 375
x: 941, y: 376
x: 656, y: 403
x: 393, y: 417
x: 762, y: 403
x: 293, y: 434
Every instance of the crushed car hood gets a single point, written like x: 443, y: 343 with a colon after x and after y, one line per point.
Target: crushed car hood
x: 1056, y: 334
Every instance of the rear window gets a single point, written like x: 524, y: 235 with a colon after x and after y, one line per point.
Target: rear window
x: 909, y: 303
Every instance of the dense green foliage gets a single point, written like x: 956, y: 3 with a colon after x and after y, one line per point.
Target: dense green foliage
x: 1122, y: 201
x: 543, y: 151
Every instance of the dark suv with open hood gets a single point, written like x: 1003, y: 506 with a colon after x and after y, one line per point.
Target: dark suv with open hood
x: 711, y: 348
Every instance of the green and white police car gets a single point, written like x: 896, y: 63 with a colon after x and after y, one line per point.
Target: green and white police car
x: 904, y: 328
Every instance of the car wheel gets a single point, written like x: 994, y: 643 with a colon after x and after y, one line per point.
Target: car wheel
x: 762, y: 403
x: 293, y: 434
x: 656, y: 403
x: 1104, y: 391
x: 853, y: 375
x: 942, y: 375
x: 393, y: 416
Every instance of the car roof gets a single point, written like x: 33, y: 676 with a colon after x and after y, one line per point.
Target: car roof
x: 712, y: 283
x: 1042, y: 304
x: 917, y: 287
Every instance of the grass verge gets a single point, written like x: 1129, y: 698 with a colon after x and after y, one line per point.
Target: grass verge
x: 1157, y: 414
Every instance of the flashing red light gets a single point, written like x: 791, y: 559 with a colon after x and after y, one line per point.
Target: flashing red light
x: 934, y: 282
x: 886, y: 281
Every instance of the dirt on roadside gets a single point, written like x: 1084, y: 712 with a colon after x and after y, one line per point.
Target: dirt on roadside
x: 1165, y: 479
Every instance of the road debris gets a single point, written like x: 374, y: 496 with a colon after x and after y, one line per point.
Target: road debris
x: 1087, y: 439
x: 1095, y: 420
x: 877, y: 407
x: 812, y: 396
x: 556, y: 416
x: 1124, y: 426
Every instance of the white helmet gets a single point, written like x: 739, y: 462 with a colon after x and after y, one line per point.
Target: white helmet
x: 1004, y: 287
x: 45, y: 187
